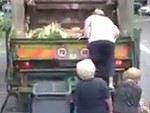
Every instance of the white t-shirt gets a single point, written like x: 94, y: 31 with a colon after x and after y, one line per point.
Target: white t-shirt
x: 101, y: 28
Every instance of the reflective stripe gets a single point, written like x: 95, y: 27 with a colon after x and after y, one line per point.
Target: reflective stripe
x: 38, y: 53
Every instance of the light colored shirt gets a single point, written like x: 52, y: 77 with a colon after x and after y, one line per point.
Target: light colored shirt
x: 100, y: 28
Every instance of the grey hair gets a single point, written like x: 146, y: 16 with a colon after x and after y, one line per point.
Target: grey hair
x: 99, y: 12
x: 85, y: 69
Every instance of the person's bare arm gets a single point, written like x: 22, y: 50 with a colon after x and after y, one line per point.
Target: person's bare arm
x: 87, y: 28
x: 117, y: 31
x: 107, y: 97
x: 109, y: 104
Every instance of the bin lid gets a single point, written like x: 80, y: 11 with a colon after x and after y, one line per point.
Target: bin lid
x: 51, y: 88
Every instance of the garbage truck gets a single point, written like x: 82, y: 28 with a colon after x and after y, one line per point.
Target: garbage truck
x: 40, y: 74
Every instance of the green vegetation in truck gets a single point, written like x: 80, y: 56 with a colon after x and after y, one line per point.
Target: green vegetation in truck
x: 53, y: 30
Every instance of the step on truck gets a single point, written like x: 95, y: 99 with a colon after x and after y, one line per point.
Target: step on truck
x: 40, y: 72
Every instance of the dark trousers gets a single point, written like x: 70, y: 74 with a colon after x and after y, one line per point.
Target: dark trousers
x: 102, y: 54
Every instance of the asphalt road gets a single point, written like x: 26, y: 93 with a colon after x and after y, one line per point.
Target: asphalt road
x: 145, y: 58
x: 145, y: 61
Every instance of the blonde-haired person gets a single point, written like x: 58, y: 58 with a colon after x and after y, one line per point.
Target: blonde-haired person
x: 91, y: 94
x: 133, y: 74
x: 127, y: 94
x: 102, y: 33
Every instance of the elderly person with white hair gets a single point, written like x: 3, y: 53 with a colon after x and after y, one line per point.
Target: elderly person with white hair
x: 92, y: 94
x: 127, y: 94
x: 102, y: 34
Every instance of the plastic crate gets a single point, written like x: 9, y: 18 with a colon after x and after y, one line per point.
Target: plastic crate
x: 49, y: 104
x: 52, y: 88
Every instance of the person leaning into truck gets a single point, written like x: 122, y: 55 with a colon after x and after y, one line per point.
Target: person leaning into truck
x: 127, y: 94
x: 101, y: 33
x: 91, y: 94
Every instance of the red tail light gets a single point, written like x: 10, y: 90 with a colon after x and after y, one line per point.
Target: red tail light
x: 118, y: 63
x: 24, y: 65
x: 123, y: 63
x: 27, y: 64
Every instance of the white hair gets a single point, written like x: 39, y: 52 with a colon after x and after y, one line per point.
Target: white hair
x: 99, y: 12
x: 85, y: 69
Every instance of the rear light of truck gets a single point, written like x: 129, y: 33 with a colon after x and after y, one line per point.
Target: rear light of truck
x: 126, y: 63
x: 118, y: 63
x: 27, y: 64
x: 23, y: 65
x: 44, y: 64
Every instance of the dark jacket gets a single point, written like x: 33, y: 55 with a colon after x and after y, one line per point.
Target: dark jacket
x: 127, y: 96
x: 90, y: 96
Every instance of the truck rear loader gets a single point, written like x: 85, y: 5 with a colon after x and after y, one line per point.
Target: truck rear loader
x: 40, y: 73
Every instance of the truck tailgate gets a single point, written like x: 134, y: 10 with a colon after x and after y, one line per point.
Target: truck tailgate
x: 31, y: 49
